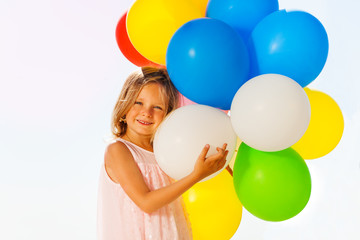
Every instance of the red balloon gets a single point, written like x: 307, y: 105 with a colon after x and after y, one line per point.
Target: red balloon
x: 126, y: 47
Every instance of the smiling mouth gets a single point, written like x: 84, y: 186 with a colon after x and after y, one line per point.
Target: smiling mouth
x: 143, y: 122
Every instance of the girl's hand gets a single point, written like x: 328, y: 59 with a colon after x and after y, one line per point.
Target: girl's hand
x: 122, y: 168
x: 206, y: 166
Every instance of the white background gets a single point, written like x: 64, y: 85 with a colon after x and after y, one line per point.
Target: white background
x: 60, y: 74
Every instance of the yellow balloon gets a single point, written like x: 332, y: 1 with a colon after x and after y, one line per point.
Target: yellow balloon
x: 151, y: 24
x: 201, y: 4
x: 213, y: 207
x: 325, y: 129
x: 232, y: 161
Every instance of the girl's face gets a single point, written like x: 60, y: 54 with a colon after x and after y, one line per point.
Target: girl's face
x: 147, y: 112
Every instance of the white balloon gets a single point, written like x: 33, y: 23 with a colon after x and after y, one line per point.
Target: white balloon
x: 181, y: 137
x: 270, y: 112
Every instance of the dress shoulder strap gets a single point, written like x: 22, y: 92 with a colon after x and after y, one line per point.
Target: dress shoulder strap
x: 140, y: 155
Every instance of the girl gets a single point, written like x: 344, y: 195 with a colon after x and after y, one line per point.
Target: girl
x: 138, y: 201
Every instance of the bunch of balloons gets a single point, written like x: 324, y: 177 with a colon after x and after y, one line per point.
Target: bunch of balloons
x: 251, y: 58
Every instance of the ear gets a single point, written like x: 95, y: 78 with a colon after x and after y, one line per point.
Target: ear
x: 123, y: 119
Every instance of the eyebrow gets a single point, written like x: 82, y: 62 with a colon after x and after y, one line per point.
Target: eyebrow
x: 160, y: 104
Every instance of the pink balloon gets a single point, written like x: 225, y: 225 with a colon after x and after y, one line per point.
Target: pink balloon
x: 183, y: 101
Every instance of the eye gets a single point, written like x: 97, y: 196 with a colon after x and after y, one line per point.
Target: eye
x: 138, y: 102
x: 158, y: 107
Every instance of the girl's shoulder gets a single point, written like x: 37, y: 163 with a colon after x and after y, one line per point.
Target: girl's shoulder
x: 117, y: 157
x: 117, y: 150
x: 127, y: 150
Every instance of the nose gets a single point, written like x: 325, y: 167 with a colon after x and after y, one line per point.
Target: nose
x: 147, y: 112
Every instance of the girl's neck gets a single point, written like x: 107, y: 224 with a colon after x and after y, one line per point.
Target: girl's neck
x: 143, y: 142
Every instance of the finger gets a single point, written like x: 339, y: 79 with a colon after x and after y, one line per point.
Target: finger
x: 223, y: 147
x: 219, y: 149
x: 222, y: 161
x: 225, y: 155
x: 204, y: 151
x: 217, y: 156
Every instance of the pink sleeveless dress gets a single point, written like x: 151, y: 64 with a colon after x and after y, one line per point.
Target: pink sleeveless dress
x: 120, y: 218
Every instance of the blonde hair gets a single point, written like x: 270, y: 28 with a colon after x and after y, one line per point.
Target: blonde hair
x: 131, y: 89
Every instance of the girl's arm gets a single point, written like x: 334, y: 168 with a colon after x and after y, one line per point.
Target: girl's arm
x: 122, y: 169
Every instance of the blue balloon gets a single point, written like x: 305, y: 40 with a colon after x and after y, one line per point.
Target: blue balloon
x: 208, y: 62
x: 294, y: 44
x: 242, y: 15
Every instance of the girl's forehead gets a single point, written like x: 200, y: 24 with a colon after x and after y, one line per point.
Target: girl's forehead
x: 153, y: 91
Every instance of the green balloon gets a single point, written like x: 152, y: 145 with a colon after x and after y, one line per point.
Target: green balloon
x: 273, y: 186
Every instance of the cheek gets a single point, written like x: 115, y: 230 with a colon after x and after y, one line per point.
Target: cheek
x: 160, y: 116
x: 131, y: 113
